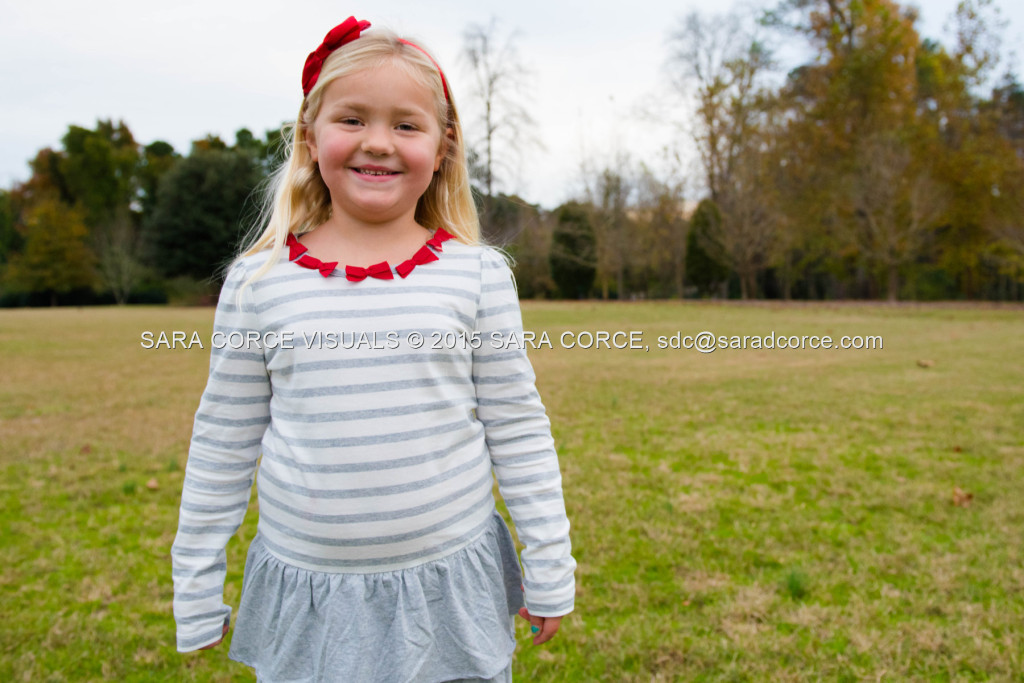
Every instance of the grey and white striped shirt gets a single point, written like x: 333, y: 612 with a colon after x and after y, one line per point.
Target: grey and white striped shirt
x: 377, y: 451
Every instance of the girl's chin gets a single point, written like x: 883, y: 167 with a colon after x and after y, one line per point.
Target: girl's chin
x: 370, y: 212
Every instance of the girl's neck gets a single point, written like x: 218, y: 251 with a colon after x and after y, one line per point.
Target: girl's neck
x: 352, y: 242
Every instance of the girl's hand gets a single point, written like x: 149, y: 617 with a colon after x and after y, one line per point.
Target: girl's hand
x: 544, y: 628
x: 213, y: 645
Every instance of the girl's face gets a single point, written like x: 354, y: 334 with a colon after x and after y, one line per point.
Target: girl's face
x: 377, y: 142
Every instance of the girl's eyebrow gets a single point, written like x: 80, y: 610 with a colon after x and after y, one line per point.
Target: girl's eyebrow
x: 363, y: 109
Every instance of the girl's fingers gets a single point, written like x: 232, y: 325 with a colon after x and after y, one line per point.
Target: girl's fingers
x: 548, y: 628
x: 543, y: 628
x: 535, y: 622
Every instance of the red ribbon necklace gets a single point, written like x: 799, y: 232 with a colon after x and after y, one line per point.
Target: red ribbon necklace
x: 382, y: 271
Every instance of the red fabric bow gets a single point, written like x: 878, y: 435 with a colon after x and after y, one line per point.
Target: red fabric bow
x: 343, y: 33
x: 327, y: 268
x: 381, y: 271
x: 421, y: 257
x: 439, y: 236
x: 307, y: 261
x: 295, y: 248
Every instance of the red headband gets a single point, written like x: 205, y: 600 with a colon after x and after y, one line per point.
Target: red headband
x: 444, y: 82
x: 342, y: 34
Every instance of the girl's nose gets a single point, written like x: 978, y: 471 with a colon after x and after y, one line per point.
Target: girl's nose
x: 377, y: 141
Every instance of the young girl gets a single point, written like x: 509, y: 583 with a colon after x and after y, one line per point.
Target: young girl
x: 376, y: 400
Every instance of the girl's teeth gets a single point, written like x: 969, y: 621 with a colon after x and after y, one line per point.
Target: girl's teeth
x: 366, y: 172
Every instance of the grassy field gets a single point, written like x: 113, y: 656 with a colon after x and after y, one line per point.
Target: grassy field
x: 745, y: 515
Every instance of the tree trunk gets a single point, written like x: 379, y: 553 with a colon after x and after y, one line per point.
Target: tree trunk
x: 748, y: 284
x: 893, y: 286
x: 787, y: 277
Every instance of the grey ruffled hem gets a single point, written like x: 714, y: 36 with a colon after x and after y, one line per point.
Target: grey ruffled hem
x: 451, y: 618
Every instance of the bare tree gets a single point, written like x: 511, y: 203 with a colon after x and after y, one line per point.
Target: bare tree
x: 502, y: 123
x: 747, y: 239
x: 721, y: 63
x: 894, y: 204
x: 608, y: 190
x: 639, y: 226
x: 119, y: 246
x: 661, y: 229
x: 613, y: 229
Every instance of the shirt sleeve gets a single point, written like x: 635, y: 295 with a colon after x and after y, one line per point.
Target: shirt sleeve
x: 233, y: 415
x: 519, y: 439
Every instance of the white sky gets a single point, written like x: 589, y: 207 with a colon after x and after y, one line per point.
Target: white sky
x: 179, y: 70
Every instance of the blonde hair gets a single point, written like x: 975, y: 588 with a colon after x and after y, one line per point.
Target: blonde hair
x: 297, y: 199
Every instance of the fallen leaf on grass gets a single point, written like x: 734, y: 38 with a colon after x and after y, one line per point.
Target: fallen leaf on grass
x: 86, y: 449
x: 961, y: 498
x: 152, y: 484
x: 925, y: 363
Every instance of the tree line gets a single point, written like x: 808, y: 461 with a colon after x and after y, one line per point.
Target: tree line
x: 887, y: 166
x: 106, y: 219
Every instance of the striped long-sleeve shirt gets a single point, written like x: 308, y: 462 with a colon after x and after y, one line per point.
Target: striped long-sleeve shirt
x: 375, y: 451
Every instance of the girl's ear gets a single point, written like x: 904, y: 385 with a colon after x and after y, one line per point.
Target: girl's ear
x: 311, y: 143
x: 442, y: 151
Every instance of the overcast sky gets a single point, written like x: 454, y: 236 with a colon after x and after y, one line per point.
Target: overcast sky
x: 177, y: 71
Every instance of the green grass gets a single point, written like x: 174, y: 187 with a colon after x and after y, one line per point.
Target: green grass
x: 737, y: 516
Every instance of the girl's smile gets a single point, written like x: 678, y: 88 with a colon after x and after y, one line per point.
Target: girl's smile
x: 377, y: 142
x: 375, y: 172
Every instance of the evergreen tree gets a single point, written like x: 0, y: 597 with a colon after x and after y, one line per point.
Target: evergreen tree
x: 573, y: 251
x: 199, y: 216
x: 702, y: 270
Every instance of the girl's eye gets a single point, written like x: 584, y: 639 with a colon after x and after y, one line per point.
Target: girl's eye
x: 405, y: 126
x: 349, y: 121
